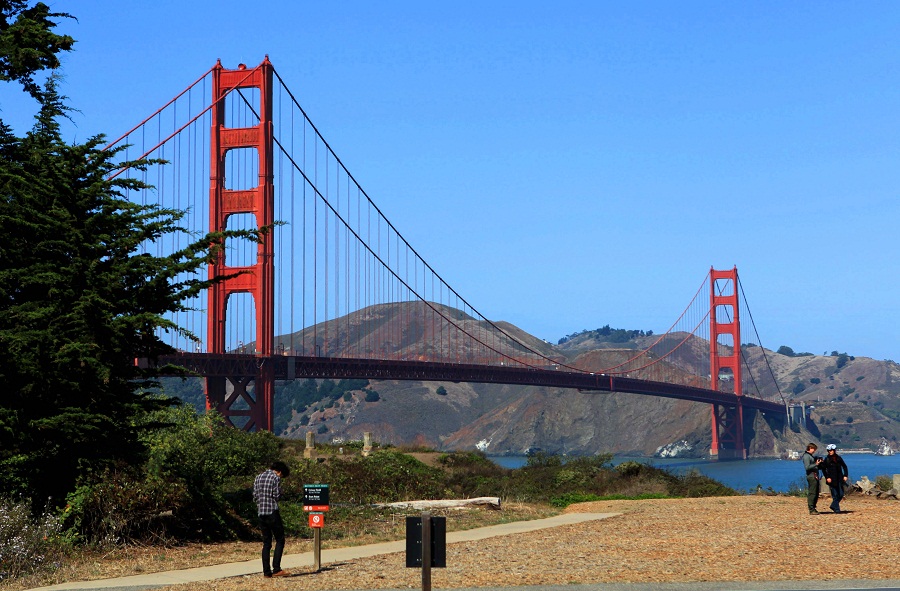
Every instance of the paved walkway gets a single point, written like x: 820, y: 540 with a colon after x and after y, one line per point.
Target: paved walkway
x: 289, y: 561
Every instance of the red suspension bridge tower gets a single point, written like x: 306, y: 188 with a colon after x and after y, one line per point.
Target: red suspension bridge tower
x: 725, y: 364
x: 224, y: 393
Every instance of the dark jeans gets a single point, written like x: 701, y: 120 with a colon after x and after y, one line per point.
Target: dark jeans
x: 272, y: 527
x: 837, y: 493
x: 812, y: 491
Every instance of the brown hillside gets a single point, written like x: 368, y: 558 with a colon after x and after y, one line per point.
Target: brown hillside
x: 513, y: 419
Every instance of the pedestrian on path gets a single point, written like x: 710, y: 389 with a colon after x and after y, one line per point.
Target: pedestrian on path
x: 835, y: 471
x: 266, y: 492
x: 811, y: 466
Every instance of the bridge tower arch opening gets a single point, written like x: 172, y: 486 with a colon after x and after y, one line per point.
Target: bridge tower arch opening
x: 725, y: 365
x: 238, y: 145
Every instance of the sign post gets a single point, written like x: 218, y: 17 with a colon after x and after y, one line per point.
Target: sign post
x: 426, y: 551
x: 316, y: 500
x: 317, y: 522
x: 426, y: 545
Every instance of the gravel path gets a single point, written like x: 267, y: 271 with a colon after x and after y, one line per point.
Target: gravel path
x: 746, y: 538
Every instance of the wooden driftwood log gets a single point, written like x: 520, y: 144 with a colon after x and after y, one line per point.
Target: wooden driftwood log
x: 488, y: 502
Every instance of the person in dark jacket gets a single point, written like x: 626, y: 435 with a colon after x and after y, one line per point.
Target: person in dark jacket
x: 811, y: 466
x: 834, y: 469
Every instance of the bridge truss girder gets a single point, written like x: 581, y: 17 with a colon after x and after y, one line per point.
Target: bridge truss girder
x: 283, y: 367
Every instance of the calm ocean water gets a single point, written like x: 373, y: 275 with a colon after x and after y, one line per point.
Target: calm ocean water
x: 747, y: 475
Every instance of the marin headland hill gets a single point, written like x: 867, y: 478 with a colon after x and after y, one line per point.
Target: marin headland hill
x: 848, y: 400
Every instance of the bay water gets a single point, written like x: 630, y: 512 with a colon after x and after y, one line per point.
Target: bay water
x: 748, y: 475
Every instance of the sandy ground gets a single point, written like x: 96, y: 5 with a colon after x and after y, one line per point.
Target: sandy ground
x: 746, y: 538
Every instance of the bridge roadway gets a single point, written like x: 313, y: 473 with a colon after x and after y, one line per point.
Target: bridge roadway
x: 291, y: 367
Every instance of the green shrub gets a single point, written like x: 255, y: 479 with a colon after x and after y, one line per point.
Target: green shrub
x: 545, y: 479
x: 195, y: 469
x: 797, y: 488
x: 884, y: 482
x: 119, y: 508
x: 630, y: 468
x: 472, y: 474
x: 573, y: 497
x: 464, y: 459
x: 696, y: 484
x: 382, y: 477
x: 543, y: 460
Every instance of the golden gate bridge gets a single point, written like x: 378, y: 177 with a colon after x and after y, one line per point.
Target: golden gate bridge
x: 334, y: 290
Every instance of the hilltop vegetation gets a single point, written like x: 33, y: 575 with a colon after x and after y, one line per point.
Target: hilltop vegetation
x: 605, y: 335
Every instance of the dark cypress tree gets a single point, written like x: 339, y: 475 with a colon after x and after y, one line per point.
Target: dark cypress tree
x: 79, y: 301
x: 28, y: 43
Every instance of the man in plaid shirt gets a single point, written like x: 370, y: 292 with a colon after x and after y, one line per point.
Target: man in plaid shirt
x: 266, y: 492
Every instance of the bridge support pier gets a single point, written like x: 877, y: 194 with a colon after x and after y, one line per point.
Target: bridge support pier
x: 243, y: 401
x: 728, y: 433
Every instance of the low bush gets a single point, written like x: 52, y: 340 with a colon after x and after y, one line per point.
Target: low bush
x: 884, y: 482
x: 572, y: 498
x: 122, y: 508
x: 197, y: 471
x: 384, y: 476
x: 29, y: 545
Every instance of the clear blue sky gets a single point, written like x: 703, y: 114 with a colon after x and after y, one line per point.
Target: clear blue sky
x: 566, y: 165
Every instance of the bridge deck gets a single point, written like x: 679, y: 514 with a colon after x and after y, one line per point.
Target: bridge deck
x: 292, y: 367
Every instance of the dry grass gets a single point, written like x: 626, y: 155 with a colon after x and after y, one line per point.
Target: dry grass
x: 746, y: 538
x: 135, y: 560
x: 743, y: 538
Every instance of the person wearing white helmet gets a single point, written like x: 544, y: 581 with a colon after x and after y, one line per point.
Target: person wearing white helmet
x: 835, y: 471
